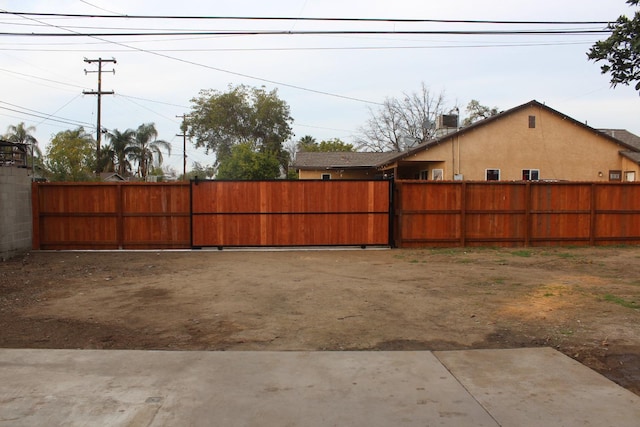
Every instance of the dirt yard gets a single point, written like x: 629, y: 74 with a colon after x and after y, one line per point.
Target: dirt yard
x: 583, y: 301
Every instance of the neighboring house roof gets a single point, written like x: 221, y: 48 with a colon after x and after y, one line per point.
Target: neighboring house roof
x: 632, y: 155
x: 624, y: 136
x: 111, y: 176
x: 340, y: 160
x: 630, y: 141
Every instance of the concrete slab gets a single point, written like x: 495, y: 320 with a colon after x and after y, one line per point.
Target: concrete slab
x: 541, y: 387
x: 157, y: 388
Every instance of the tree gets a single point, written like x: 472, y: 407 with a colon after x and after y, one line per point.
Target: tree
x: 146, y: 149
x: 120, y: 147
x: 199, y: 171
x: 621, y: 50
x: 23, y: 135
x: 245, y: 162
x: 306, y: 143
x: 243, y: 115
x: 71, y: 156
x: 478, y: 112
x: 398, y: 120
x: 309, y: 144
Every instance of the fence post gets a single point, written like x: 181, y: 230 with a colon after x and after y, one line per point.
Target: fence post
x: 119, y: 215
x: 592, y: 217
x: 463, y: 214
x: 527, y: 214
x: 391, y: 212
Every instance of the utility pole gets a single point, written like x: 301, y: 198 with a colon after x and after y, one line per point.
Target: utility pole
x: 184, y: 145
x: 99, y: 92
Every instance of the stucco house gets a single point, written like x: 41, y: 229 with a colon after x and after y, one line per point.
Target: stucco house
x: 528, y: 142
x: 341, y: 165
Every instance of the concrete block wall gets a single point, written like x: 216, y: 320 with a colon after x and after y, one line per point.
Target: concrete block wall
x: 16, y: 229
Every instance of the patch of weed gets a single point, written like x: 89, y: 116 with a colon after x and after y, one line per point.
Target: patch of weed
x: 521, y: 253
x: 621, y: 301
x: 565, y: 255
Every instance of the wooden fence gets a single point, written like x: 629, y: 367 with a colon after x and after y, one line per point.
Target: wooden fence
x: 210, y: 213
x: 290, y: 213
x: 111, y: 216
x: 432, y: 214
x: 314, y: 213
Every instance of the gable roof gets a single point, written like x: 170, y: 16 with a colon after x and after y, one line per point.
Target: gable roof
x: 624, y: 136
x: 630, y: 141
x: 632, y: 155
x: 340, y: 160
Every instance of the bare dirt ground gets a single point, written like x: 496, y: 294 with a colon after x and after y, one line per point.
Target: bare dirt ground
x: 583, y: 301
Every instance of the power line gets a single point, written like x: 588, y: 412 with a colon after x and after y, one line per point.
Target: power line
x: 316, y: 32
x: 340, y: 48
x: 41, y: 115
x: 289, y: 18
x: 220, y: 69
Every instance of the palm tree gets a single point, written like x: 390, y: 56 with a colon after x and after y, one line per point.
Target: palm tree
x: 145, y: 149
x: 22, y: 135
x: 121, y: 145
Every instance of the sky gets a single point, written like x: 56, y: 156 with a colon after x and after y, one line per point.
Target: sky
x: 332, y: 82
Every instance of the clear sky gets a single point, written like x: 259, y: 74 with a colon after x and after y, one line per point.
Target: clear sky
x: 330, y: 81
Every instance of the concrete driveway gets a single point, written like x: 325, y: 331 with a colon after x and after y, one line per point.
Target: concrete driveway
x: 521, y: 387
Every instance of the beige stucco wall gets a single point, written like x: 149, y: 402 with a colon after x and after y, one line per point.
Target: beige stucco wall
x: 559, y: 148
x: 338, y: 174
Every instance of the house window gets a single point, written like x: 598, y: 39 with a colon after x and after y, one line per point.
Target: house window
x: 424, y: 174
x: 492, y: 174
x: 630, y: 176
x: 532, y: 122
x: 530, y: 174
x: 615, y: 175
x: 437, y: 175
x: 326, y: 176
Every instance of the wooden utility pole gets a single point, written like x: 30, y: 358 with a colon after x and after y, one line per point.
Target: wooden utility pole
x: 184, y: 145
x: 99, y: 92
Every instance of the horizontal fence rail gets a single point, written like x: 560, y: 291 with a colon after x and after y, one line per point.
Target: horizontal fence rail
x: 432, y: 214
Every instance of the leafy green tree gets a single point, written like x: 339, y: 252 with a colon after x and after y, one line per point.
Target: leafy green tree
x: 307, y: 143
x: 71, y: 156
x: 218, y: 121
x: 244, y: 163
x: 146, y: 149
x: 199, y: 171
x: 478, y: 112
x: 335, y: 144
x: 621, y: 50
x: 118, y: 150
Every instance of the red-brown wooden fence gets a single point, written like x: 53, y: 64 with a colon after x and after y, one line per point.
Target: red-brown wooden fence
x: 210, y: 213
x: 431, y: 214
x: 290, y: 213
x: 111, y: 216
x: 314, y: 213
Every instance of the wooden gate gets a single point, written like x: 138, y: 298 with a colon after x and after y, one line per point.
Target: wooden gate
x: 290, y: 213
